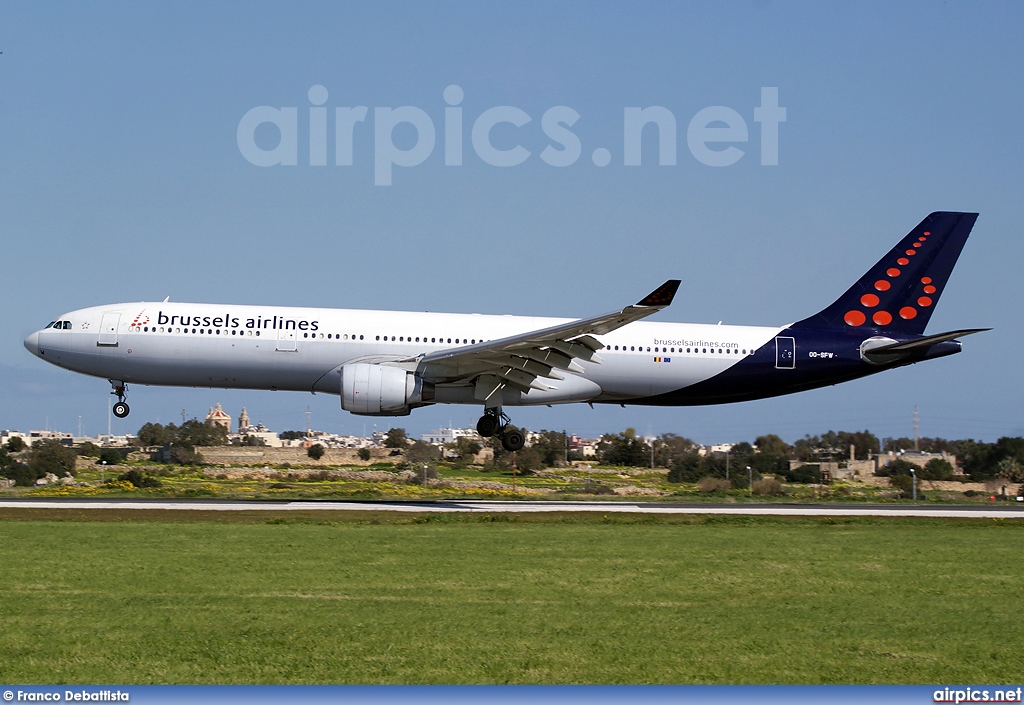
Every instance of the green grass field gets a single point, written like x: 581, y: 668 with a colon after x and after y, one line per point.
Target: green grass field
x: 176, y: 597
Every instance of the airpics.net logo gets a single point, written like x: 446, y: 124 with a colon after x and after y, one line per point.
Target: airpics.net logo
x: 712, y: 134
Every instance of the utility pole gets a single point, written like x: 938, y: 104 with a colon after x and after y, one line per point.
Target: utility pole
x: 917, y: 436
x: 308, y: 412
x: 182, y: 417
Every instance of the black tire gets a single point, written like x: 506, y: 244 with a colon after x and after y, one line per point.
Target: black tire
x: 487, y: 425
x: 121, y: 409
x: 513, y: 440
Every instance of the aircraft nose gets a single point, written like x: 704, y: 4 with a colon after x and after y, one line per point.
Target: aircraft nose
x: 32, y: 343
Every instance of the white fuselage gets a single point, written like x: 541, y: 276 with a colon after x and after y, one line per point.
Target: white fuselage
x: 301, y: 349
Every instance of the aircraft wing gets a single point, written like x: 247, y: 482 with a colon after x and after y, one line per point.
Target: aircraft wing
x: 519, y: 360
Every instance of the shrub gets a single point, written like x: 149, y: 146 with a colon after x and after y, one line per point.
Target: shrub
x: 905, y: 484
x: 315, y: 451
x: 804, y: 474
x: 89, y: 450
x: 708, y: 485
x: 111, y: 456
x: 768, y: 487
x: 364, y: 454
x: 185, y: 456
x: 22, y: 475
x: 139, y: 480
x: 16, y: 444
x: 596, y: 488
x: 430, y: 473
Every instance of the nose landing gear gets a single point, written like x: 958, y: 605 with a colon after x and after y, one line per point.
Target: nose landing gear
x: 495, y: 423
x: 121, y: 409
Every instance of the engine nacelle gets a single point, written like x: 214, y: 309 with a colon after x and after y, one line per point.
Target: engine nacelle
x: 382, y: 390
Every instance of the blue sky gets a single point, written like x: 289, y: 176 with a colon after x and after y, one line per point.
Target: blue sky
x: 121, y: 179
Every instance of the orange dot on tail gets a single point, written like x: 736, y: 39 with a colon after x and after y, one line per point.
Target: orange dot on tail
x: 908, y: 312
x: 917, y: 244
x: 892, y: 272
x: 903, y: 260
x: 854, y: 318
x: 929, y: 289
x: 927, y: 233
x: 882, y: 318
x: 882, y: 285
x: 924, y: 301
x: 921, y: 239
x: 869, y: 300
x: 926, y: 280
x: 911, y: 253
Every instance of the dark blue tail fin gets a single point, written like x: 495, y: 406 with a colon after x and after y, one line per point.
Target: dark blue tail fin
x: 898, y: 294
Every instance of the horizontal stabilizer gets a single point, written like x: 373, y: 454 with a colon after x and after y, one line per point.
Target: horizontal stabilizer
x: 926, y: 341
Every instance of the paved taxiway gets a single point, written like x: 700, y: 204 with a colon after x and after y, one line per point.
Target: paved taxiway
x: 1001, y: 511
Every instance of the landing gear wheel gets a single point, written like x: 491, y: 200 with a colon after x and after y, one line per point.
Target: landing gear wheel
x: 487, y: 425
x: 513, y: 440
x: 121, y: 409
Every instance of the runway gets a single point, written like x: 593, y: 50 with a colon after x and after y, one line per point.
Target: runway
x: 1001, y: 511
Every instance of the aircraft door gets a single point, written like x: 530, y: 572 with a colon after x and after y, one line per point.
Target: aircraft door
x: 286, y: 341
x: 108, y: 329
x: 785, y: 353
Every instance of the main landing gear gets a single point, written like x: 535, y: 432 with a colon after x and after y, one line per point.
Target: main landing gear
x: 495, y: 423
x: 120, y: 391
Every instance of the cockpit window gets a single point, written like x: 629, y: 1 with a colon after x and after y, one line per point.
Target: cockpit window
x: 49, y: 325
x: 67, y: 325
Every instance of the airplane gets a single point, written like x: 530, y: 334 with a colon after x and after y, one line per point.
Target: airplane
x: 387, y: 363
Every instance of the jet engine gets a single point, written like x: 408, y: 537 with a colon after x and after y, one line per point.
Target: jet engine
x: 372, y: 389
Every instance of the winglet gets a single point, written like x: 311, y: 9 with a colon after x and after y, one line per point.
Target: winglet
x: 662, y: 296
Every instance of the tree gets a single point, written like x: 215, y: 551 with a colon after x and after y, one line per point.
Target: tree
x: 396, y: 438
x: 467, y: 448
x: 528, y: 460
x: 669, y: 447
x: 896, y: 468
x: 936, y: 469
x: 773, y: 445
x: 550, y: 447
x: 421, y: 452
x: 1010, y: 469
x: 16, y: 444
x: 624, y: 449
x: 315, y: 451
x: 364, y: 453
x: 51, y: 456
x: 291, y: 435
x: 13, y: 470
x: 153, y: 434
x: 251, y: 440
x: 199, y: 433
x: 692, y: 467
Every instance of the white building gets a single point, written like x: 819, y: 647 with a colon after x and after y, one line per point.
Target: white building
x: 449, y: 435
